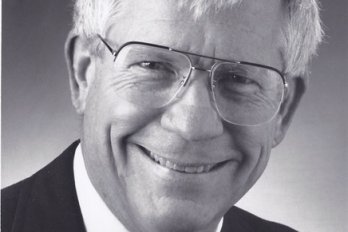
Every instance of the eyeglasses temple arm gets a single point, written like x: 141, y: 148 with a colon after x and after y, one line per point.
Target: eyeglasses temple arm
x: 107, y: 45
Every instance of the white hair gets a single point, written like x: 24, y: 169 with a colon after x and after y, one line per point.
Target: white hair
x: 303, y: 30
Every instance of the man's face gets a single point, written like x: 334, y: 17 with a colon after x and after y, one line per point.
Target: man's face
x: 118, y: 135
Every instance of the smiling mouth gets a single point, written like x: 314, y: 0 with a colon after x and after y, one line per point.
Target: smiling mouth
x: 180, y: 167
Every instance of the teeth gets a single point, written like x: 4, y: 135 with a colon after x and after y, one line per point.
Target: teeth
x: 162, y: 161
x: 191, y: 169
x: 180, y: 167
x: 207, y: 167
x: 200, y: 169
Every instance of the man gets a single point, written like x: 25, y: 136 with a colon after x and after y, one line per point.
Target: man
x: 181, y: 103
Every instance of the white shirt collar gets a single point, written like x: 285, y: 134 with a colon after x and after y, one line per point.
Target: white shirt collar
x: 95, y: 213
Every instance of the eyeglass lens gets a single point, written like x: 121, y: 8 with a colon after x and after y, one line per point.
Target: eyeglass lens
x: 244, y: 94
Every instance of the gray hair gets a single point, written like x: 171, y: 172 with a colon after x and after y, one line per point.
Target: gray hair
x: 303, y: 31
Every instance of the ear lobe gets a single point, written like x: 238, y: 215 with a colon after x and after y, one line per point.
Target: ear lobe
x: 292, y: 96
x: 81, y: 70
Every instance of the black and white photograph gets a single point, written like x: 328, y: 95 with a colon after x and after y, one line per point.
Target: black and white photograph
x: 174, y: 116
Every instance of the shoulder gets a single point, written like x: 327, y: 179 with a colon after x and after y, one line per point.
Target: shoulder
x: 30, y: 201
x: 9, y: 202
x: 238, y: 219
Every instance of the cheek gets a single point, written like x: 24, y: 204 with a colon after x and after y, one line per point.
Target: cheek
x: 106, y: 106
x: 108, y: 119
x: 255, y: 144
x: 250, y: 140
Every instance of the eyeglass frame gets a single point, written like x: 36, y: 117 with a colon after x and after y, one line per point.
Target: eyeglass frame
x: 186, y: 53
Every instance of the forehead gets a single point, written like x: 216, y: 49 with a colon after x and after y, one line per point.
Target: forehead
x: 249, y: 31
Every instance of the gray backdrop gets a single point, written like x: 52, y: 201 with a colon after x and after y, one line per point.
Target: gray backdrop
x: 305, y: 185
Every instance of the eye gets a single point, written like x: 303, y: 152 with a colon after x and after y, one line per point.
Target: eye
x: 153, y: 65
x: 240, y: 79
x: 232, y: 83
x: 153, y: 70
x: 234, y: 77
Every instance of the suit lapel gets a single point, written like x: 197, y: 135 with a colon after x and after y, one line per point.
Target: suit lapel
x: 48, y: 201
x: 234, y: 221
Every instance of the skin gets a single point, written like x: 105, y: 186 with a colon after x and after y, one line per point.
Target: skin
x: 142, y: 194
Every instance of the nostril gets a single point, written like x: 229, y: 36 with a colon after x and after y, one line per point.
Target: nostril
x: 192, y: 122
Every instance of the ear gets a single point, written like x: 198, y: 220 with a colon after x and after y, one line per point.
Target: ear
x: 81, y: 70
x: 292, y: 96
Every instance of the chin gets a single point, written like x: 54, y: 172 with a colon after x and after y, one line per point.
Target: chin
x: 175, y: 215
x: 165, y: 200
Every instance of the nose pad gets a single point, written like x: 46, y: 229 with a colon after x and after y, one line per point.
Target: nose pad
x: 193, y: 116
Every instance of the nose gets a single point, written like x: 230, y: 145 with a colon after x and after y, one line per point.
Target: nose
x: 193, y: 116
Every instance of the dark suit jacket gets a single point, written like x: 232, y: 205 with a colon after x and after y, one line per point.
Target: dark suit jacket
x: 47, y: 201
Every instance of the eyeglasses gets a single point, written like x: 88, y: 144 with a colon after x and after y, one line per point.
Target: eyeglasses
x: 153, y: 76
